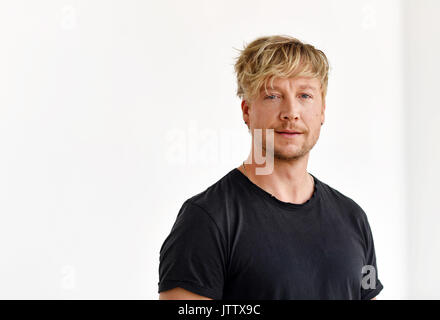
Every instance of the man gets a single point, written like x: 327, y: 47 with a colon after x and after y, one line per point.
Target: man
x: 279, y: 233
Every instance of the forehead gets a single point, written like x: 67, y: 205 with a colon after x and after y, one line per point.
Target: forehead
x: 294, y: 83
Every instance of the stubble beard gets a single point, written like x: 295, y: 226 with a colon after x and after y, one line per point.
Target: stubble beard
x: 280, y: 154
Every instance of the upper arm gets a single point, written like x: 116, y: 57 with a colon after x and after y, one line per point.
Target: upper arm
x: 371, y: 285
x: 193, y: 256
x: 180, y: 294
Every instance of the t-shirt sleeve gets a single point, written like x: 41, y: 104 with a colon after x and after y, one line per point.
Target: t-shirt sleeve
x: 370, y: 284
x: 193, y: 255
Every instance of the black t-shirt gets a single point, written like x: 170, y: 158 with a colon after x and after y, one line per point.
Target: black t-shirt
x: 236, y: 241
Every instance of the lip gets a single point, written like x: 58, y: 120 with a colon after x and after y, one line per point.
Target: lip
x: 289, y: 134
x: 289, y: 131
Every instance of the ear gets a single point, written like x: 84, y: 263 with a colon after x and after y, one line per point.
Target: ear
x: 323, y: 112
x: 245, y: 109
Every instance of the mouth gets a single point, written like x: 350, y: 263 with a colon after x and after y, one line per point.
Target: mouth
x: 289, y: 134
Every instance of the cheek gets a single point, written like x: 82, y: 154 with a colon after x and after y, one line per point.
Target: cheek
x: 262, y: 115
x: 315, y: 116
x: 312, y: 118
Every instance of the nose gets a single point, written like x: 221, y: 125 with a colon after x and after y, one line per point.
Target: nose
x: 290, y: 110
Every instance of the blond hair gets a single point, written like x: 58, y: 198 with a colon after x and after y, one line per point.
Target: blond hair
x: 268, y: 57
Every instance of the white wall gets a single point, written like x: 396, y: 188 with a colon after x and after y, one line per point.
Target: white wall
x: 113, y: 113
x: 422, y: 50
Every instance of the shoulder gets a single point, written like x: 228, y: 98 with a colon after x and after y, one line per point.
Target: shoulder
x: 217, y: 199
x: 341, y: 202
x: 347, y: 210
x: 217, y: 195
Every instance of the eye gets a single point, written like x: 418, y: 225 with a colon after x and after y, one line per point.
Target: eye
x: 271, y: 97
x: 305, y: 94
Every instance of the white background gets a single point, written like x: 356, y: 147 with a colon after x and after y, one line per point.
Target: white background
x: 112, y: 113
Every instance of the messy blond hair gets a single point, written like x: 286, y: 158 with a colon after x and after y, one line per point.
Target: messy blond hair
x: 268, y: 57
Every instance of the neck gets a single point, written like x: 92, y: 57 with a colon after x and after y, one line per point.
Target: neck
x: 288, y: 182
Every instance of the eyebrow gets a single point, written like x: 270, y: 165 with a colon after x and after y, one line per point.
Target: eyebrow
x: 304, y: 86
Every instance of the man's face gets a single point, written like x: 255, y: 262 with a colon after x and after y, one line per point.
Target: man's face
x: 294, y: 104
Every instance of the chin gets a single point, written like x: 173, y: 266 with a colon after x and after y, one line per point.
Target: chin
x: 289, y: 153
